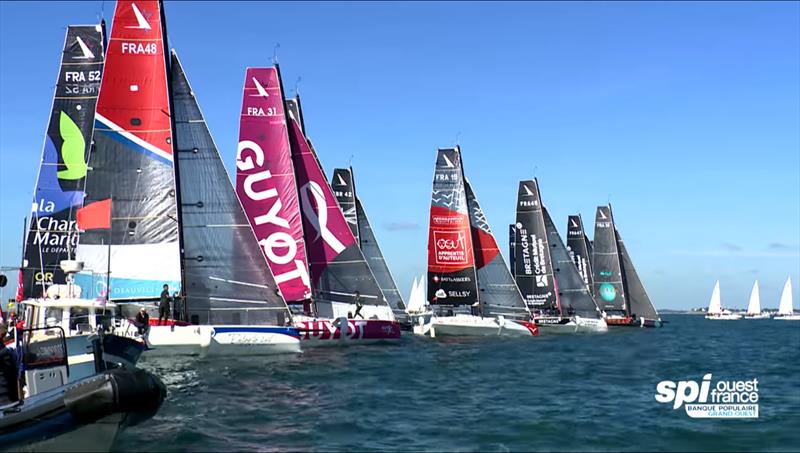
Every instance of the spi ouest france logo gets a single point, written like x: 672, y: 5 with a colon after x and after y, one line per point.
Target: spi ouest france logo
x: 720, y: 399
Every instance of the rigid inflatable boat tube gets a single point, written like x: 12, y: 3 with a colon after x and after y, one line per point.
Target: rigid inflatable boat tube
x: 122, y: 390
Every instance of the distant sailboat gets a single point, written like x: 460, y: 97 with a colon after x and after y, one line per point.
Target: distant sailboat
x: 754, y: 306
x: 470, y: 289
x: 715, y: 310
x: 786, y: 308
x: 619, y: 290
x: 580, y: 249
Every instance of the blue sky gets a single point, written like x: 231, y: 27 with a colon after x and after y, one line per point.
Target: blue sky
x: 686, y: 116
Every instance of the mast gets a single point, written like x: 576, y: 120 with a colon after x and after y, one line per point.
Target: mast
x: 176, y: 161
x: 287, y: 121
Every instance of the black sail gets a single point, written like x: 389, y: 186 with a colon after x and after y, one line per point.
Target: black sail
x: 344, y: 191
x: 227, y: 279
x: 573, y: 294
x: 640, y: 302
x: 374, y: 256
x: 532, y: 264
x: 498, y: 290
x: 608, y: 284
x: 52, y: 233
x: 579, y: 249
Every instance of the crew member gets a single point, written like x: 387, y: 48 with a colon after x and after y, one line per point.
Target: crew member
x: 142, y: 321
x: 163, y: 306
x: 359, y: 305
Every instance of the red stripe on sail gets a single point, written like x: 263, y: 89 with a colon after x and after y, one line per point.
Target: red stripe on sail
x: 94, y: 216
x: 265, y: 182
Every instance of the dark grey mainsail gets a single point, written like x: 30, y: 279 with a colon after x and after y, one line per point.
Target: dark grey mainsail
x: 532, y: 269
x: 498, y: 291
x: 226, y: 277
x: 343, y: 188
x: 608, y: 284
x: 374, y: 256
x: 640, y: 304
x: 580, y: 249
x: 573, y: 294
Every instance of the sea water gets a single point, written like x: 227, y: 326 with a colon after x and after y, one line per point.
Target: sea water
x: 583, y: 392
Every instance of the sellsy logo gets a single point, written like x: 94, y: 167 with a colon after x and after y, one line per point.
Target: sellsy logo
x: 726, y: 399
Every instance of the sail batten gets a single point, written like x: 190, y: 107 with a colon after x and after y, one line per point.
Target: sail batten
x: 58, y: 194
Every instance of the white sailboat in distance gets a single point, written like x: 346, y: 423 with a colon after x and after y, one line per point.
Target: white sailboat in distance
x: 715, y: 310
x: 786, y: 308
x: 754, y: 307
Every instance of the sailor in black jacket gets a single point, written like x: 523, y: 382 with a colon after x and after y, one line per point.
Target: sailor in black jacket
x: 9, y: 371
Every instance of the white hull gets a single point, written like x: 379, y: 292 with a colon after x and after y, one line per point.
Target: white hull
x: 787, y: 317
x: 724, y: 317
x: 758, y: 316
x: 469, y: 325
x: 220, y: 340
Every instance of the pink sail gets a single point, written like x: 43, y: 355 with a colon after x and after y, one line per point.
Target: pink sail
x: 265, y: 182
x: 327, y: 231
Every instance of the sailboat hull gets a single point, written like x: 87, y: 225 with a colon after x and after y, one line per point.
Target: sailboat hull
x: 221, y: 340
x: 631, y: 322
x: 787, y: 317
x: 724, y: 317
x: 758, y: 316
x: 469, y: 325
x: 551, y: 326
x: 328, y: 332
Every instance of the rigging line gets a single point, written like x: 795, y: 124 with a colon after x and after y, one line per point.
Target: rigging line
x: 296, y: 88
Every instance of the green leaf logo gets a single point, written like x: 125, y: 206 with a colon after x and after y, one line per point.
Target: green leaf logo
x: 72, y: 151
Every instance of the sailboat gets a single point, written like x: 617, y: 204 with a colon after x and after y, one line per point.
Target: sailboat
x: 304, y: 235
x: 785, y: 308
x: 344, y: 188
x: 754, y: 306
x: 553, y: 289
x: 470, y: 290
x: 715, y: 310
x: 620, y: 292
x: 161, y: 209
x: 580, y: 249
x: 47, y: 294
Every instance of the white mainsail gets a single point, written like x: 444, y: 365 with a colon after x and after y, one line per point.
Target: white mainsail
x: 785, y: 307
x: 754, y: 307
x: 715, y: 306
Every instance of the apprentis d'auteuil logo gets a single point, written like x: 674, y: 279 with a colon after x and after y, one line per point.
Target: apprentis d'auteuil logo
x: 723, y: 399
